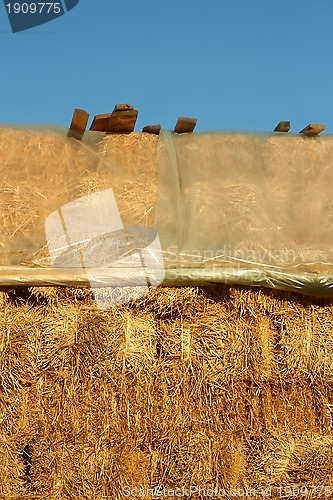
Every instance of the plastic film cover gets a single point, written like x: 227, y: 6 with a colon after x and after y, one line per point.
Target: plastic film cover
x: 188, y: 209
x: 249, y: 208
x: 78, y: 212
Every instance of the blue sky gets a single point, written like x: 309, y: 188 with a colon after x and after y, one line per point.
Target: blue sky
x: 233, y: 64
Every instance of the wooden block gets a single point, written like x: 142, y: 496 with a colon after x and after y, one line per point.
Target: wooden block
x: 152, y: 129
x: 313, y: 129
x: 282, y: 127
x: 79, y: 124
x: 100, y: 123
x: 122, y: 107
x: 122, y: 122
x: 185, y: 125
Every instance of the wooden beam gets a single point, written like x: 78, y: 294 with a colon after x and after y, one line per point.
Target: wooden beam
x: 185, y: 125
x: 282, y: 127
x: 122, y: 122
x: 122, y: 107
x: 79, y: 124
x: 100, y: 123
x: 313, y: 129
x: 152, y: 129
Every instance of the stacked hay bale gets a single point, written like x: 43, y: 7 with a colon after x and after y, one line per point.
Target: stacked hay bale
x: 41, y: 170
x: 248, y: 200
x: 218, y: 387
x: 272, y: 204
x: 129, y: 164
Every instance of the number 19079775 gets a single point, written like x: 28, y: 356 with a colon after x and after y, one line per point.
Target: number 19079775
x: 34, y: 8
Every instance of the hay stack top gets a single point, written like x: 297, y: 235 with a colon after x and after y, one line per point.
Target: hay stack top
x: 252, y: 208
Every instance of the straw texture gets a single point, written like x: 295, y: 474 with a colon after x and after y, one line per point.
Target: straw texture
x: 222, y: 387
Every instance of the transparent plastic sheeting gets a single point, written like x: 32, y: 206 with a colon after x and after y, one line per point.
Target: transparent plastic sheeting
x: 252, y: 208
x: 139, y: 210
x: 77, y: 213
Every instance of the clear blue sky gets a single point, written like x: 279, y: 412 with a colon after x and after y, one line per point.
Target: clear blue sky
x: 236, y: 64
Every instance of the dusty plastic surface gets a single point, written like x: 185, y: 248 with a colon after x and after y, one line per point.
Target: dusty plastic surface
x: 40, y: 170
x: 67, y: 207
x: 247, y: 208
x: 188, y: 209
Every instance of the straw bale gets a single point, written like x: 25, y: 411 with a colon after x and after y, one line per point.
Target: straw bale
x: 226, y: 387
x: 204, y: 389
x: 40, y: 171
x: 266, y: 212
x: 129, y: 163
x: 169, y: 304
x: 18, y: 369
x: 300, y: 459
x: 306, y: 348
x: 269, y: 196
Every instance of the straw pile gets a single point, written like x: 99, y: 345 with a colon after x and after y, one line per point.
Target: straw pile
x: 250, y: 200
x: 216, y: 387
x: 40, y: 171
x: 129, y: 163
x: 222, y: 387
x: 242, y: 200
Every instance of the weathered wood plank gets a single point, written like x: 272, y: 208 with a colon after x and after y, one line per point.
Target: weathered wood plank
x: 282, y: 127
x: 185, y: 125
x: 122, y: 122
x: 122, y: 107
x: 152, y: 129
x: 100, y: 122
x: 79, y: 124
x: 313, y: 129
